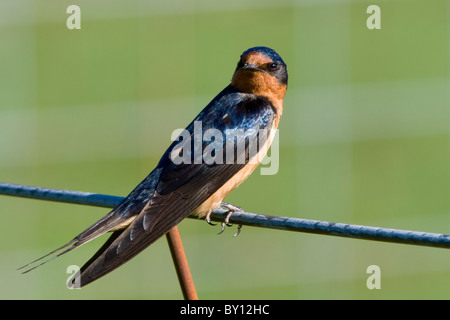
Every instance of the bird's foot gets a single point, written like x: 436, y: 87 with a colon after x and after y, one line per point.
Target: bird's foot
x: 208, y: 219
x: 231, y: 208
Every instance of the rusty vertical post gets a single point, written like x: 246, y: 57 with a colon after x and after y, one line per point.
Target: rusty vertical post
x: 181, y: 264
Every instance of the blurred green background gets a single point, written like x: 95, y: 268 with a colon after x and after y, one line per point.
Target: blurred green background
x: 364, y: 139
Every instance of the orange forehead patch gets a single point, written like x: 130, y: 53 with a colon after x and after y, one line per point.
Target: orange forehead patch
x: 256, y: 58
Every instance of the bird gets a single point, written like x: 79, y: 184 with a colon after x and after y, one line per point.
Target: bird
x: 247, y: 109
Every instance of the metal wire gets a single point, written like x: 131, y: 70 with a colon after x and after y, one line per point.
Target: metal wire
x: 248, y: 219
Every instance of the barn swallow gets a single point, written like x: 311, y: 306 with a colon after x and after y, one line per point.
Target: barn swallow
x: 251, y: 103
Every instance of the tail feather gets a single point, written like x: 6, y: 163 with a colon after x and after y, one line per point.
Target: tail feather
x: 105, y: 224
x: 74, y: 246
x: 100, y: 251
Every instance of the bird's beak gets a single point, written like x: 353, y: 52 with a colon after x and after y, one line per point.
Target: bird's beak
x: 250, y: 67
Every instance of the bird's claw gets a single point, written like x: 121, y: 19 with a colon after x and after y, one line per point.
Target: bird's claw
x: 239, y: 228
x: 226, y: 222
x: 208, y: 219
x: 231, y: 208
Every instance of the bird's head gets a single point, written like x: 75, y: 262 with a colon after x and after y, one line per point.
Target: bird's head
x: 261, y: 71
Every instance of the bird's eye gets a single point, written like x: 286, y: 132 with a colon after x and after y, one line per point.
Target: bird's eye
x: 273, y: 66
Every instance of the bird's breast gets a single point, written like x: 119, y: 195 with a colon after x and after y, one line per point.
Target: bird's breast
x: 213, y: 202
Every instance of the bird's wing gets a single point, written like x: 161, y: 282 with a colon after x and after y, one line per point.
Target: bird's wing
x: 181, y: 188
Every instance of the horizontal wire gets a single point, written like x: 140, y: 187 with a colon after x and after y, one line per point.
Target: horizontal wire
x: 246, y: 218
